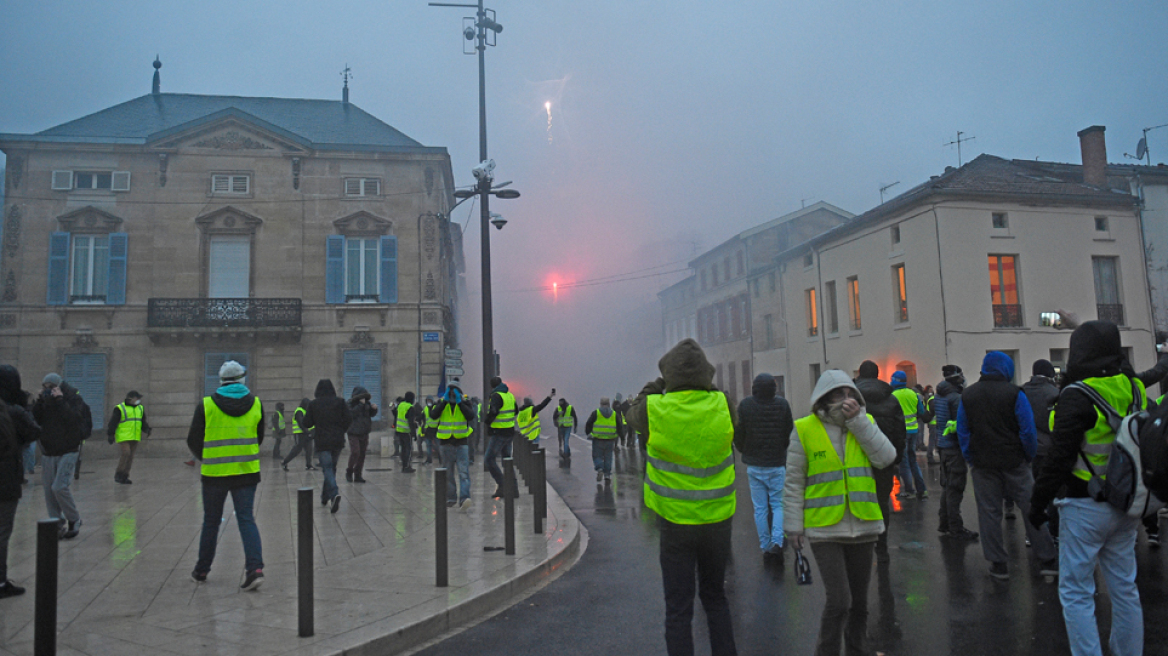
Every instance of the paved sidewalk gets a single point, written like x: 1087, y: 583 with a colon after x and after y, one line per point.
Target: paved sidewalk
x: 125, y: 587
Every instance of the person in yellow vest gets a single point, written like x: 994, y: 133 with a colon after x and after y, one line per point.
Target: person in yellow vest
x: 407, y: 417
x: 455, y: 415
x: 279, y: 426
x: 225, y: 435
x: 566, y: 421
x: 127, y: 426
x: 302, y: 435
x: 912, y: 407
x: 500, y: 421
x: 527, y: 421
x: 689, y: 483
x: 604, y: 427
x: 829, y: 502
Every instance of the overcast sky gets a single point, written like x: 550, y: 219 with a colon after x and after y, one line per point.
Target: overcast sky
x: 673, y: 125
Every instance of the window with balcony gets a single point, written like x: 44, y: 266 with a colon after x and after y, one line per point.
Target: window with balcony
x: 1108, y: 302
x: 812, y: 313
x: 1004, y: 291
x: 854, y: 303
x: 900, y: 293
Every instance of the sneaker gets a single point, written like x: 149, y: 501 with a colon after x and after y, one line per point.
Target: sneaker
x: 465, y: 505
x: 607, y: 478
x: 10, y: 589
x: 922, y: 495
x: 1154, y: 539
x: 199, y: 577
x: 498, y: 492
x: 309, y: 468
x: 324, y: 502
x: 358, y: 479
x: 599, y: 475
x: 336, y: 504
x: 349, y: 476
x: 409, y: 470
x: 1028, y: 542
x: 905, y: 495
x: 254, y: 579
x: 999, y: 571
x: 963, y: 534
x: 72, y: 531
x: 1049, y: 568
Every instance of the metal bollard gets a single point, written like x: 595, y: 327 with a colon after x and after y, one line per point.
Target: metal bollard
x: 541, y: 490
x: 538, y: 489
x: 509, y: 506
x: 441, y: 569
x: 45, y: 615
x: 304, y: 539
x: 527, y: 470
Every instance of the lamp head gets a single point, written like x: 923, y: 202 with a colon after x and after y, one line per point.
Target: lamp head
x: 498, y: 221
x: 463, y: 194
x: 492, y: 25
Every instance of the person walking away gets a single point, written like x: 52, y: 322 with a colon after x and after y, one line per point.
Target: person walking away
x: 328, y: 416
x: 279, y: 428
x: 995, y: 426
x: 889, y: 417
x: 604, y: 427
x: 616, y: 407
x: 564, y: 417
x: 407, y: 420
x: 953, y: 468
x: 689, y: 483
x: 60, y: 413
x: 127, y: 426
x: 17, y: 429
x: 225, y: 435
x: 528, y: 418
x: 829, y: 501
x: 302, y: 435
x: 1042, y: 393
x: 762, y: 436
x: 1092, y: 533
x: 500, y: 421
x: 454, y: 413
x: 362, y: 410
x: 911, y: 407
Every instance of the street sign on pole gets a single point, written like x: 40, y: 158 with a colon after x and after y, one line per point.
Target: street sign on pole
x: 455, y: 371
x: 453, y: 353
x: 453, y: 362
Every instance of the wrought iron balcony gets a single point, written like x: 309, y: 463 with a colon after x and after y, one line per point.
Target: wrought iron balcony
x: 223, y: 313
x: 1007, y: 316
x: 1112, y: 313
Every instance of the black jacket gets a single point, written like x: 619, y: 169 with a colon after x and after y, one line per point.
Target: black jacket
x: 1042, y: 394
x: 494, y: 407
x: 329, y: 416
x: 362, y: 412
x: 885, y: 409
x: 62, y: 421
x: 467, y: 409
x: 197, y: 433
x: 17, y: 430
x: 764, y: 425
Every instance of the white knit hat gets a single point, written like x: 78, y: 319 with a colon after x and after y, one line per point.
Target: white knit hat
x: 231, y: 372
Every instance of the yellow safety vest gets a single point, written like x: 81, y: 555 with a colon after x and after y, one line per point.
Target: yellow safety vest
x: 230, y: 444
x: 690, y: 471
x: 566, y: 416
x: 130, y: 427
x: 506, y: 416
x: 604, y: 429
x: 452, y: 425
x: 832, y: 485
x: 1117, y: 391
x: 280, y: 420
x: 403, y: 423
x: 528, y: 423
x: 428, y: 422
x: 908, y: 405
x: 296, y: 415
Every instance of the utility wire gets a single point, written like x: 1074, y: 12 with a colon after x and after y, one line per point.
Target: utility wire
x: 594, y: 282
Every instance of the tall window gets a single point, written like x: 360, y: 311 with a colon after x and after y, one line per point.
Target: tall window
x: 733, y: 377
x: 90, y: 266
x: 1004, y: 290
x: 746, y: 378
x: 768, y: 323
x: 812, y: 313
x: 854, y: 302
x: 361, y: 269
x: 361, y: 260
x: 900, y: 290
x: 726, y: 267
x: 87, y: 269
x: 814, y: 375
x: 1107, y: 298
x: 829, y: 307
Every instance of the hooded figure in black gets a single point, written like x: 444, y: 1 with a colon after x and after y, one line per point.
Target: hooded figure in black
x: 885, y: 409
x: 17, y: 429
x: 329, y: 417
x: 762, y: 437
x: 363, y: 409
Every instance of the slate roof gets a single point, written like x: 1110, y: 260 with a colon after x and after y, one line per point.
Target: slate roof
x: 319, y: 124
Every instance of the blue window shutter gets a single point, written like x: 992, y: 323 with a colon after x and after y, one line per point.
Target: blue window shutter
x: 352, y: 366
x: 86, y: 372
x: 58, y: 293
x: 372, y: 377
x: 388, y: 269
x: 116, y: 282
x: 334, y: 269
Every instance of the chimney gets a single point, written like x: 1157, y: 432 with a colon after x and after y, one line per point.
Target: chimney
x: 1094, y: 148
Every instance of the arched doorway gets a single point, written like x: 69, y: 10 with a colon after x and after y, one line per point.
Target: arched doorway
x: 909, y: 369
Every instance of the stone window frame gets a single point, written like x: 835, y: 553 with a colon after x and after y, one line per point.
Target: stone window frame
x: 226, y: 221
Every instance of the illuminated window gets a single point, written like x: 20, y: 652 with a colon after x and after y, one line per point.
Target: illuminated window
x: 1004, y: 291
x: 854, y: 302
x: 900, y: 290
x: 812, y: 313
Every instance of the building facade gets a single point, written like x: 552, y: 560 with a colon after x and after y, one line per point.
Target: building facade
x: 146, y: 244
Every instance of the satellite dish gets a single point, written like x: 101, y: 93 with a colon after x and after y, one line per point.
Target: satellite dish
x: 1142, y: 148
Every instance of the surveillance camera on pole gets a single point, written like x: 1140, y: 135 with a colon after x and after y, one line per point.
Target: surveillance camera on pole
x: 498, y: 221
x: 484, y: 172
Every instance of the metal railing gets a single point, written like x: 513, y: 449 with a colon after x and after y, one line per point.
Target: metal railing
x: 1007, y: 316
x: 223, y: 312
x: 1112, y: 313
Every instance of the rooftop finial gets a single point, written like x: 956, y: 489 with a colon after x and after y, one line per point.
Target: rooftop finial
x: 345, y: 92
x: 157, y: 78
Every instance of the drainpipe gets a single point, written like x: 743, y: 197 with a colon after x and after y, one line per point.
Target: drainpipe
x: 941, y: 279
x: 822, y: 318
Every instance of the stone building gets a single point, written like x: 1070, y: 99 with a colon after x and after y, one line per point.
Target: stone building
x: 146, y: 243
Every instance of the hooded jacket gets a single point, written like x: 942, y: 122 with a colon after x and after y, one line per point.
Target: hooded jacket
x: 362, y: 413
x: 684, y: 367
x: 62, y: 421
x: 945, y: 406
x: 605, y: 411
x: 328, y: 416
x: 885, y: 409
x: 995, y: 424
x: 875, y: 444
x: 234, y: 400
x: 17, y: 429
x: 494, y: 407
x: 764, y: 425
x: 1042, y: 394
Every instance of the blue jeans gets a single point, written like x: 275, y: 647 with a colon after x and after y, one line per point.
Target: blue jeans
x: 328, y: 467
x: 766, y: 493
x: 910, y: 470
x: 30, y: 457
x: 498, y: 445
x: 602, y: 455
x: 456, y: 457
x: 565, y: 440
x: 1093, y: 532
x: 243, y: 498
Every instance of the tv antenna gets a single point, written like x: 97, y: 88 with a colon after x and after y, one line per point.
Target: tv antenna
x: 803, y: 201
x: 1142, y: 151
x: 886, y: 187
x: 958, y: 141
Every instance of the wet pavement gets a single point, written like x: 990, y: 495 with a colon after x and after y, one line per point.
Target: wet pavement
x: 934, y: 597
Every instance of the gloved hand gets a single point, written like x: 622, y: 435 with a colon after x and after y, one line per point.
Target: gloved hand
x: 1038, y: 516
x: 111, y: 439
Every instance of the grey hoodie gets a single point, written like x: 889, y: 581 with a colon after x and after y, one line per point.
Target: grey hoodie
x: 880, y: 452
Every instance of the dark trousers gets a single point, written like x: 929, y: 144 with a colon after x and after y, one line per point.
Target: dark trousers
x: 845, y: 569
x: 931, y: 452
x: 498, y: 446
x: 358, y: 447
x: 126, y: 451
x: 7, y: 520
x: 884, y: 478
x: 243, y: 499
x: 279, y: 437
x: 953, y: 470
x: 405, y: 448
x: 992, y: 487
x: 303, y: 443
x: 1052, y: 510
x: 704, y: 549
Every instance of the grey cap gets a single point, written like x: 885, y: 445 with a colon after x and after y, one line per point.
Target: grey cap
x: 52, y: 379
